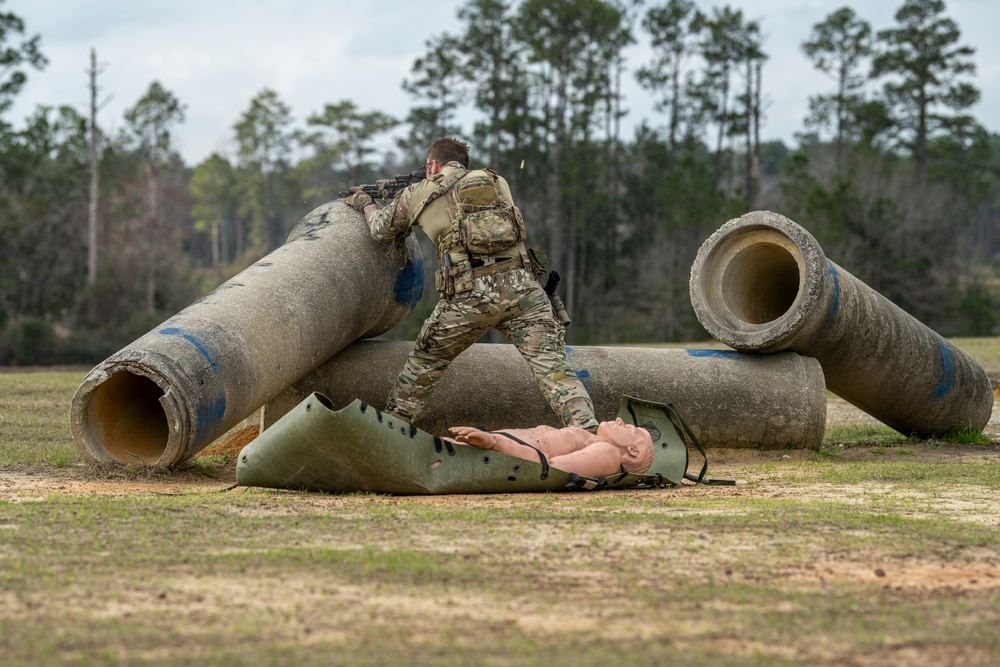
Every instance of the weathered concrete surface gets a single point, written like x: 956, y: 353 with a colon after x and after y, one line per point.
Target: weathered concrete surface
x: 173, y: 391
x: 728, y: 398
x: 761, y: 283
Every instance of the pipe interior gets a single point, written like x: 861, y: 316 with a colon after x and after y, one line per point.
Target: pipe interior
x: 761, y: 283
x: 125, y: 416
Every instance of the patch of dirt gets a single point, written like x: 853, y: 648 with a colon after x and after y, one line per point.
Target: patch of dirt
x: 36, y: 483
x: 233, y: 444
x: 915, y: 575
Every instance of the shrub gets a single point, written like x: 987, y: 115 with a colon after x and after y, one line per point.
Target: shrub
x: 30, y: 341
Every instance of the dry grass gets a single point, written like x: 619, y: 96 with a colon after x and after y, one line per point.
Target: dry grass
x: 876, y: 550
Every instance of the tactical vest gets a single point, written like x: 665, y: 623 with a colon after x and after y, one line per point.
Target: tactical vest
x: 483, y: 220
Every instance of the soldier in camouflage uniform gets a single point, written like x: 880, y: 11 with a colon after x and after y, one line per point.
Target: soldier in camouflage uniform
x: 478, y: 292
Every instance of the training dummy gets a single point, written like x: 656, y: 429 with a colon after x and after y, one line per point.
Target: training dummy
x: 616, y: 447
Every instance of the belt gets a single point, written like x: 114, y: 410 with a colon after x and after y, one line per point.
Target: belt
x: 475, y: 262
x: 499, y: 265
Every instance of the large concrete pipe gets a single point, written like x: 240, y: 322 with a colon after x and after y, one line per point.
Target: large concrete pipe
x: 761, y: 283
x: 176, y: 389
x: 730, y: 399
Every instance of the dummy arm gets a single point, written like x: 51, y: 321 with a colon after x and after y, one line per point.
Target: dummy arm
x: 597, y: 459
x: 468, y: 435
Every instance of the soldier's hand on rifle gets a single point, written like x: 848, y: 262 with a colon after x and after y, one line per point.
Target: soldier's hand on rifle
x: 358, y: 199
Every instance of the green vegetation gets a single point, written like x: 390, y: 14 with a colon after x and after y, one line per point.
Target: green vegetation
x: 984, y: 350
x: 890, y: 171
x: 34, y: 418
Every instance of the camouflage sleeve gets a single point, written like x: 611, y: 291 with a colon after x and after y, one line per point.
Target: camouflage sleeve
x: 393, y: 220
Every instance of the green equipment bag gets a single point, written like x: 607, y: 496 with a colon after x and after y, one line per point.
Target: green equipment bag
x: 486, y: 220
x: 360, y: 448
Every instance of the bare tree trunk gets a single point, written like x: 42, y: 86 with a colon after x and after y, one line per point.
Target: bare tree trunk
x: 92, y: 208
x: 723, y: 123
x: 215, y: 244
x: 841, y: 116
x: 617, y: 189
x: 921, y: 140
x: 675, y: 92
x: 224, y: 242
x: 571, y: 274
x: 240, y: 241
x: 517, y: 163
x: 496, y: 115
x: 153, y: 238
x: 271, y: 222
x: 555, y: 177
x: 732, y: 161
x: 755, y: 163
x: 748, y: 158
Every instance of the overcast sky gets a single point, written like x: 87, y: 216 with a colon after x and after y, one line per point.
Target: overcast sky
x: 215, y: 55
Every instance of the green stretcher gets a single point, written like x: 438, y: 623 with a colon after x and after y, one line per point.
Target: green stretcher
x: 361, y: 449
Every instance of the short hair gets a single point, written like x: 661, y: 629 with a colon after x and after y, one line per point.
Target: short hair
x: 447, y: 150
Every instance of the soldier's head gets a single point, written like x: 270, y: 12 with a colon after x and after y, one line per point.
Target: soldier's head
x: 446, y: 150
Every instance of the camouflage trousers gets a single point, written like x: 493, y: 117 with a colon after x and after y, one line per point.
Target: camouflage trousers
x: 514, y: 303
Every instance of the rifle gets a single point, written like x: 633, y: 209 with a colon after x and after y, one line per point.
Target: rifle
x: 557, y: 304
x: 387, y: 188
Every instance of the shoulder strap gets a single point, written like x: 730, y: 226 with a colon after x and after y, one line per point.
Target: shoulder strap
x: 446, y: 184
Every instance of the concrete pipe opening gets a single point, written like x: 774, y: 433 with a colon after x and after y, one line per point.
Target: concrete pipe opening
x: 124, y: 414
x: 761, y: 282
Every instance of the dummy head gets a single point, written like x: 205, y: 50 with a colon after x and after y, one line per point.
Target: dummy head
x: 634, y: 443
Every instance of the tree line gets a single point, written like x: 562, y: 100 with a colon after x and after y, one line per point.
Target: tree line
x: 105, y: 236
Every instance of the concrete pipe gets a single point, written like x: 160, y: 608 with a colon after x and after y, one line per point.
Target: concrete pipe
x: 729, y: 399
x: 761, y: 283
x: 176, y: 389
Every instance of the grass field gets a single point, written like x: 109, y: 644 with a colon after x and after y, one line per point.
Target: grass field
x: 874, y: 550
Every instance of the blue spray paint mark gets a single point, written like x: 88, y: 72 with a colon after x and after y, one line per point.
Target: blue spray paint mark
x: 210, y: 414
x: 947, y: 372
x: 409, y: 285
x: 722, y: 354
x: 194, y: 341
x: 581, y: 373
x: 836, y: 290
